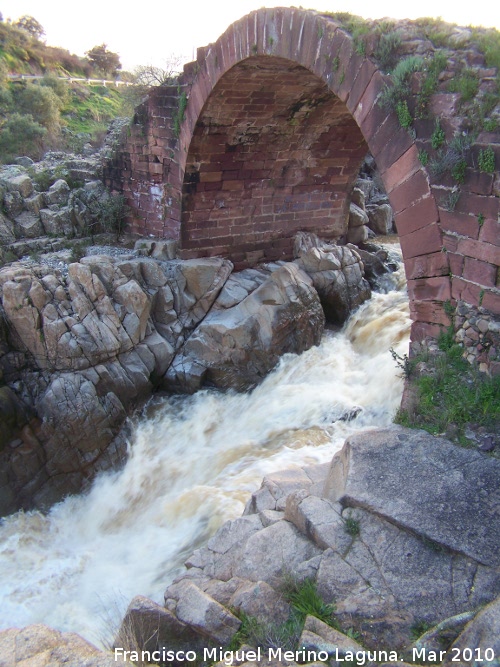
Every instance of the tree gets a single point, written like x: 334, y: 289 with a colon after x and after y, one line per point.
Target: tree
x: 31, y: 25
x: 103, y: 60
x: 152, y: 75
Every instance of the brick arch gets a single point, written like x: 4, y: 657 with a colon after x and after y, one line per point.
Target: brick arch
x: 194, y: 146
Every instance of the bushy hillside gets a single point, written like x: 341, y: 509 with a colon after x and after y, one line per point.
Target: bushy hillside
x: 50, y: 113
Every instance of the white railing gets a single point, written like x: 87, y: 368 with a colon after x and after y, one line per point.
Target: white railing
x: 71, y: 79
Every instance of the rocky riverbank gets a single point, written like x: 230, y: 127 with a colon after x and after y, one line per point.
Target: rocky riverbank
x: 84, y: 343
x: 398, y: 535
x: 386, y: 556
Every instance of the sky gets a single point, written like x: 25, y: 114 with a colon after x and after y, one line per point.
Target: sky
x: 150, y: 33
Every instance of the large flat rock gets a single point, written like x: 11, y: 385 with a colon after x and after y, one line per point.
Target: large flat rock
x: 424, y: 484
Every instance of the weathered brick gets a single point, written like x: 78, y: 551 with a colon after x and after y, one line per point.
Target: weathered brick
x: 430, y: 289
x: 480, y: 272
x: 421, y: 242
x: 456, y: 263
x: 491, y: 301
x: 397, y: 145
x: 479, y: 250
x: 410, y: 191
x: 490, y: 232
x: 434, y: 264
x: 429, y: 311
x: 465, y: 291
x: 460, y: 223
x: 478, y: 182
x: 421, y: 214
x: 422, y: 330
x: 401, y: 169
x: 489, y: 207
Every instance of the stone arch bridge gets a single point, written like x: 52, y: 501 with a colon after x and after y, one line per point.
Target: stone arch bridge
x: 264, y: 136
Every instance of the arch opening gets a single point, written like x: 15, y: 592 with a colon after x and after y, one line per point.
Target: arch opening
x: 273, y: 151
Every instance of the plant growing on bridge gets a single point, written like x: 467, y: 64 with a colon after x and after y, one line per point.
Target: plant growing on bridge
x: 450, y: 202
x: 486, y: 160
x: 387, y: 51
x: 181, y: 109
x: 451, y: 391
x: 400, y: 89
x: 423, y: 156
x: 466, y: 83
x: 451, y: 159
x: 356, y: 26
x: 438, y: 136
x: 404, y: 115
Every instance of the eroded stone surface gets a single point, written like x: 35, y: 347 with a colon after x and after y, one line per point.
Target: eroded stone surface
x: 413, y: 478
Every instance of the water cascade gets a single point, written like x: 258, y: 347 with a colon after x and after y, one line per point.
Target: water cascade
x: 193, y: 462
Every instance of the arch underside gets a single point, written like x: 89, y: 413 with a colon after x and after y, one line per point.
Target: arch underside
x: 274, y: 151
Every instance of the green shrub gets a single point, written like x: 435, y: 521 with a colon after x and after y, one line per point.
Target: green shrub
x: 433, y: 68
x: 452, y: 158
x: 41, y: 103
x: 42, y: 179
x: 357, y: 26
x: 486, y: 160
x: 267, y: 635
x: 438, y: 136
x: 452, y: 392
x: 458, y: 171
x: 352, y: 527
x: 436, y: 30
x: 60, y: 87
x: 305, y: 600
x: 21, y: 135
x: 423, y: 156
x: 489, y: 44
x: 467, y: 84
x: 387, y: 51
x: 113, y: 212
x: 404, y: 115
x: 400, y: 76
x: 179, y: 116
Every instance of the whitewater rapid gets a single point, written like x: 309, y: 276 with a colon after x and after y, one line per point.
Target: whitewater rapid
x: 192, y: 464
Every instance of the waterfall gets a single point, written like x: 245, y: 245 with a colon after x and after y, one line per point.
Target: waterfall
x: 193, y: 462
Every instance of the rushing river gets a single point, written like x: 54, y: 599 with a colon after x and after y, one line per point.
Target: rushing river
x: 193, y: 462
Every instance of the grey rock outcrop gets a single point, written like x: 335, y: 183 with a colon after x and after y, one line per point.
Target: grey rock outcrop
x: 377, y: 472
x: 350, y: 530
x: 84, y: 347
x: 337, y: 273
x: 482, y: 632
x: 41, y: 646
x: 380, y: 218
x: 240, y: 341
x: 60, y: 196
x: 147, y: 625
x: 370, y: 212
